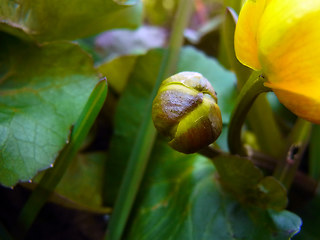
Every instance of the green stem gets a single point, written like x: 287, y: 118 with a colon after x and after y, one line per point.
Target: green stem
x: 303, y: 183
x: 144, y: 142
x: 52, y: 176
x: 314, y: 153
x: 297, y: 143
x: 260, y: 117
x: 253, y: 87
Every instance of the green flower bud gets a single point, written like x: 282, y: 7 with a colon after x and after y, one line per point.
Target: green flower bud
x: 186, y: 111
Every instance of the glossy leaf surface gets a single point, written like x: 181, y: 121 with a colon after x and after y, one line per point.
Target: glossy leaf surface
x: 42, y: 95
x: 181, y: 199
x: 56, y: 20
x: 247, y: 183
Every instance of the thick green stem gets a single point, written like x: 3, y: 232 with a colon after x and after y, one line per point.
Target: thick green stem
x: 253, y: 87
x: 144, y: 143
x: 314, y: 153
x: 297, y: 143
x: 260, y: 117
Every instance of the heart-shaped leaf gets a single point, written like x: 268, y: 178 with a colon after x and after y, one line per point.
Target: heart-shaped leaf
x: 43, y: 90
x: 247, y: 183
x: 180, y: 198
x: 46, y: 20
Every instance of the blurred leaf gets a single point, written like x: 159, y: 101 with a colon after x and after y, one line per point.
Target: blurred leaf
x: 118, y: 71
x: 222, y: 80
x: 88, y: 45
x: 315, y: 153
x: 119, y: 42
x: 42, y: 94
x: 228, y: 30
x: 181, y: 199
x: 126, y: 2
x: 130, y: 111
x: 137, y: 91
x: 195, y: 36
x: 311, y: 220
x: 247, y: 183
x: 235, y: 4
x: 52, y: 20
x: 82, y: 183
x: 159, y: 12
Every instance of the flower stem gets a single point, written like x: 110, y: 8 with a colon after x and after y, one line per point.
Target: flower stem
x: 297, y: 144
x: 252, y: 88
x: 144, y: 143
x: 260, y: 117
x: 301, y: 182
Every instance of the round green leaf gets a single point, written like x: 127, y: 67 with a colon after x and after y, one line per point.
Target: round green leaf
x: 180, y: 198
x: 42, y: 92
x: 247, y: 183
x: 51, y: 20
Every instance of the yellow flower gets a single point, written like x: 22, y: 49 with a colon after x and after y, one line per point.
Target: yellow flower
x: 282, y: 38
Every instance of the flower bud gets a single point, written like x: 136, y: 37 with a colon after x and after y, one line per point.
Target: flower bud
x: 186, y: 111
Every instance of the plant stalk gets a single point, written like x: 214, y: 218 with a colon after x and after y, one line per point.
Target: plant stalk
x: 303, y: 183
x: 144, y: 142
x: 260, y: 117
x: 250, y: 91
x: 297, y: 144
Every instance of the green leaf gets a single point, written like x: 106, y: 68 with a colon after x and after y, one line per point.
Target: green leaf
x: 118, y: 71
x: 315, y: 152
x: 43, y: 90
x: 126, y: 2
x: 181, y: 199
x: 311, y: 220
x: 53, y: 175
x: 82, y: 183
x: 129, y: 113
x: 45, y: 20
x: 246, y: 182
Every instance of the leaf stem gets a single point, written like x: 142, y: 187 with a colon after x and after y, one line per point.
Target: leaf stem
x: 252, y: 88
x: 144, y: 142
x: 52, y: 176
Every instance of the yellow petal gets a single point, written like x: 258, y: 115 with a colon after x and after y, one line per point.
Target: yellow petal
x: 289, y: 52
x: 245, y: 39
x: 305, y: 104
x: 289, y: 42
